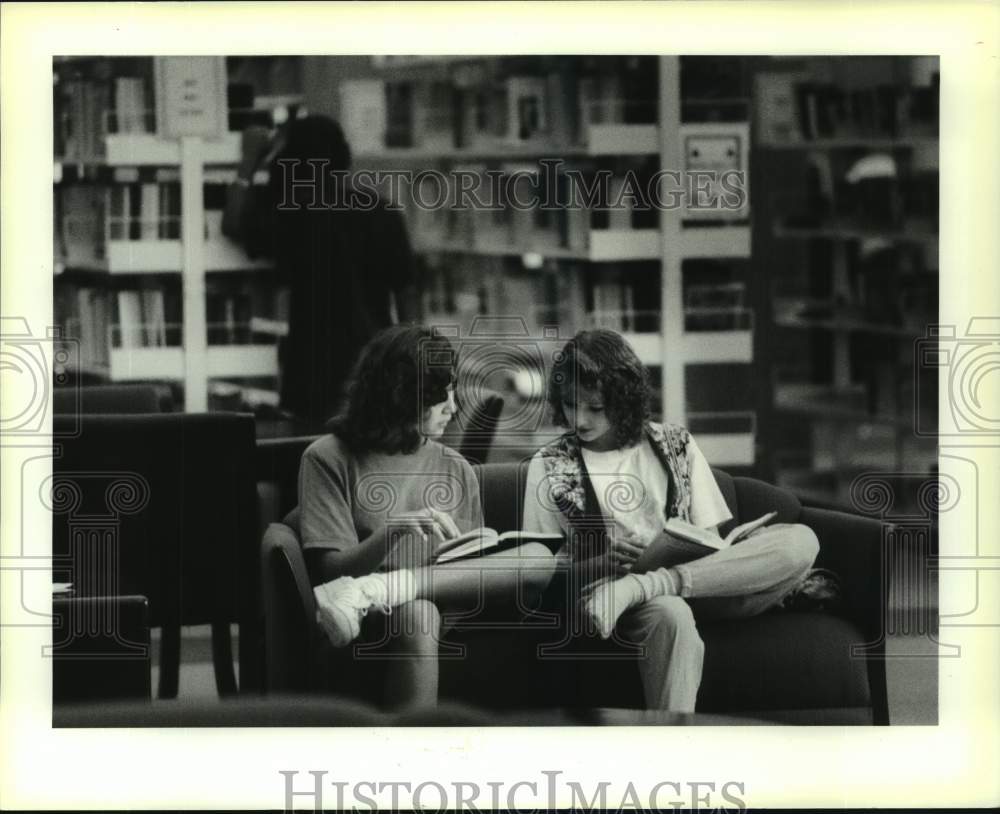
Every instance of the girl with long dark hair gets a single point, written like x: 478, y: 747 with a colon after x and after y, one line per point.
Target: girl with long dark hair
x: 379, y: 494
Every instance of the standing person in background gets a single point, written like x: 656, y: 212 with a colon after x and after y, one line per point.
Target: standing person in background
x: 345, y: 265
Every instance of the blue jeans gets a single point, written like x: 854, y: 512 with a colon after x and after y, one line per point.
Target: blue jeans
x: 739, y: 581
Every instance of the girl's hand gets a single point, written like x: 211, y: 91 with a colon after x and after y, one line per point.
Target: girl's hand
x: 412, y: 544
x: 625, y: 550
x: 418, y: 537
x: 435, y: 524
x: 445, y: 523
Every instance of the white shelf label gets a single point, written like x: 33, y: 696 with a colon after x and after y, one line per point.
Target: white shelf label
x: 191, y: 96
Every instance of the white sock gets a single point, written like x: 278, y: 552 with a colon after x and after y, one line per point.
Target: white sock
x: 661, y: 582
x: 609, y: 601
x: 389, y: 589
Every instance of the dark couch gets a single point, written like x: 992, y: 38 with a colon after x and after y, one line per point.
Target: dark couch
x: 783, y: 665
x: 792, y: 666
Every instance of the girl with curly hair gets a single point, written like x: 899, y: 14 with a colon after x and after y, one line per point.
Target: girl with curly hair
x: 379, y: 494
x: 609, y: 484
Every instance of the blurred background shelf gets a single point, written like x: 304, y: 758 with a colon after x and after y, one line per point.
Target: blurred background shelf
x: 847, y: 236
x: 763, y: 322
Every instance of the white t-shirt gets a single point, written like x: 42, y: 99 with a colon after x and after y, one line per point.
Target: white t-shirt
x: 631, y: 489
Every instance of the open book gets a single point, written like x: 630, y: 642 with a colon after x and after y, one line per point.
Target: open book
x: 689, y: 542
x: 481, y: 541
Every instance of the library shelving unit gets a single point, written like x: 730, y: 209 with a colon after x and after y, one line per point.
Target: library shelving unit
x: 846, y: 235
x: 672, y: 280
x: 143, y: 277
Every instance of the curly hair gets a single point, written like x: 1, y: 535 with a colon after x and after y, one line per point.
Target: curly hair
x: 401, y: 372
x: 602, y: 361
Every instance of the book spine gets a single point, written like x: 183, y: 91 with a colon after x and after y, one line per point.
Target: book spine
x: 130, y: 319
x: 150, y: 212
x: 154, y: 316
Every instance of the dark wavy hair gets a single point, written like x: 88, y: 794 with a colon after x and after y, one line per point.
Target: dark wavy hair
x: 317, y: 137
x: 401, y: 372
x: 312, y: 138
x: 602, y: 361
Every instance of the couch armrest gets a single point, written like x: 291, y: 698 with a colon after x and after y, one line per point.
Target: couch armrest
x: 288, y: 606
x: 851, y: 546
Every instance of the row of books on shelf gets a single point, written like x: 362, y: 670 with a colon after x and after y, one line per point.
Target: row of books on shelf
x: 142, y: 320
x: 846, y: 452
x: 87, y: 109
x: 881, y: 399
x: 793, y: 109
x: 144, y: 211
x: 876, y: 189
x: 480, y: 112
x: 151, y: 317
x: 101, y: 320
x: 564, y: 228
x: 707, y: 307
x: 89, y: 215
x: 905, y: 317
x: 87, y: 317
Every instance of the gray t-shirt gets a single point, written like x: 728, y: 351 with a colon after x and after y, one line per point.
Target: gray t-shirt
x: 343, y: 497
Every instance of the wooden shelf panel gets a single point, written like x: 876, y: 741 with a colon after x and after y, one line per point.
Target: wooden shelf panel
x: 855, y: 142
x: 130, y: 364
x: 623, y: 139
x: 138, y: 149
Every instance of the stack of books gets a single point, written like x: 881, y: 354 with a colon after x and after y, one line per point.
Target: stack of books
x: 149, y: 211
x: 142, y: 318
x: 132, y: 108
x: 80, y: 132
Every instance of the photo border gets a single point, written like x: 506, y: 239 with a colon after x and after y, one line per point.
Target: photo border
x: 239, y: 768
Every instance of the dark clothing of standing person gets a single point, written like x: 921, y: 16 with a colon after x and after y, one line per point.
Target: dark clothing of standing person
x: 345, y: 256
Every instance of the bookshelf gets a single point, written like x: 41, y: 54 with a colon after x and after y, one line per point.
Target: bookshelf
x: 847, y: 238
x: 675, y: 281
x: 143, y: 277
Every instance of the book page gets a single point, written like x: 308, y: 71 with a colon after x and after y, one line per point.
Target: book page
x: 473, y: 542
x: 693, y: 533
x: 744, y: 529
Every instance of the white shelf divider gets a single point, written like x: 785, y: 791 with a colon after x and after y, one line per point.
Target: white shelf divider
x: 193, y: 271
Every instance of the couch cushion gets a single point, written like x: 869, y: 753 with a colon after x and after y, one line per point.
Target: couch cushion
x: 728, y: 489
x: 775, y: 662
x: 782, y: 661
x: 502, y: 486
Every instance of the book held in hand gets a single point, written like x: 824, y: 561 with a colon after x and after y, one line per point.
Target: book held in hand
x: 482, y: 541
x: 687, y: 542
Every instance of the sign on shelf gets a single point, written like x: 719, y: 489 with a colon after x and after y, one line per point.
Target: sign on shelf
x: 190, y: 96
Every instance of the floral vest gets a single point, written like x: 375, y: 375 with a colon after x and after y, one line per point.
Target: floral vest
x: 571, y: 489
